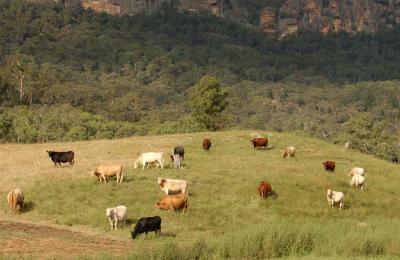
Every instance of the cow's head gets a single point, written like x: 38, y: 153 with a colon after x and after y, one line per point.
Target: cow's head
x: 93, y: 173
x: 135, y: 165
x: 108, y: 212
x: 172, y: 158
x: 50, y: 153
x: 328, y: 191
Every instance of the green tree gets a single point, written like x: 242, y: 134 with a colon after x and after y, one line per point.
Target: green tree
x: 208, y: 102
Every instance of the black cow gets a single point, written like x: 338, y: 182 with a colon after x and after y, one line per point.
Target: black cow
x: 394, y: 158
x: 61, y: 157
x: 145, y: 225
x: 180, y: 151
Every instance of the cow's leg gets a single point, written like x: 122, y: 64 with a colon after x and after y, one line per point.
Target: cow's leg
x: 121, y: 177
x: 105, y: 179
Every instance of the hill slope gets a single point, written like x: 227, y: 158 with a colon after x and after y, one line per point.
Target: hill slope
x: 225, y: 218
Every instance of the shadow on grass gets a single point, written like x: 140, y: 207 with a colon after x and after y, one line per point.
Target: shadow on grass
x: 131, y: 221
x: 28, y: 206
x: 274, y: 195
x: 167, y: 234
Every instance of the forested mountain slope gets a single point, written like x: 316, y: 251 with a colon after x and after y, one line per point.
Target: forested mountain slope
x: 134, y: 74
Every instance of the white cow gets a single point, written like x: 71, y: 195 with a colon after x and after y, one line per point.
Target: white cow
x: 358, y: 181
x: 116, y: 216
x: 335, y: 197
x: 171, y: 185
x: 356, y: 171
x: 146, y: 158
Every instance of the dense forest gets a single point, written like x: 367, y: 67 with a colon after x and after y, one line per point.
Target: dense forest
x: 72, y: 74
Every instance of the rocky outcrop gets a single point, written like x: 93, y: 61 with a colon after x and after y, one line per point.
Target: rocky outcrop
x: 325, y: 16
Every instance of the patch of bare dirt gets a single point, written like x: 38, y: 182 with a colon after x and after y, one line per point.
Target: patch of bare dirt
x: 18, y: 239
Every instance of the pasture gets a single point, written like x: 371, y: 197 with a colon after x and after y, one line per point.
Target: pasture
x: 225, y: 217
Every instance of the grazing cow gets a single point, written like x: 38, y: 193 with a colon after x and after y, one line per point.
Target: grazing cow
x: 394, y: 159
x: 358, y: 181
x: 116, y: 216
x: 14, y: 198
x: 178, y: 156
x: 356, y: 171
x: 259, y: 143
x: 289, y: 151
x: 180, y: 152
x: 335, y: 197
x: 146, y: 158
x: 175, y: 202
x: 61, y: 157
x: 104, y: 171
x: 206, y: 144
x: 176, y: 159
x: 329, y: 166
x: 172, y: 186
x: 145, y: 225
x: 264, y: 189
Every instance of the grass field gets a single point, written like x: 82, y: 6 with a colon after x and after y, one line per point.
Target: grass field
x: 225, y: 218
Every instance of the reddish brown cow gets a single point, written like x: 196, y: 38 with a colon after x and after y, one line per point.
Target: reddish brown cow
x: 206, y: 144
x: 260, y: 142
x: 176, y: 202
x: 264, y: 189
x: 329, y: 166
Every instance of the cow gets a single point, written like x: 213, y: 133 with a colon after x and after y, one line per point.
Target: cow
x: 356, y: 171
x: 171, y: 185
x: 394, y: 159
x: 335, y: 197
x: 264, y: 189
x: 117, y: 216
x: 329, y: 166
x: 358, y: 181
x: 176, y: 159
x: 104, y: 171
x: 178, y: 156
x: 61, y: 157
x: 206, y: 144
x: 259, y: 143
x: 14, y: 198
x: 145, y: 225
x: 180, y: 152
x: 175, y: 202
x: 147, y: 158
x: 289, y: 151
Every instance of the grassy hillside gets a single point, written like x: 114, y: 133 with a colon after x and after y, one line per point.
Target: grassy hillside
x: 225, y: 218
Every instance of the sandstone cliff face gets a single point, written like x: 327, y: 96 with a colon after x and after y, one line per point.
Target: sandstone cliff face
x: 325, y: 16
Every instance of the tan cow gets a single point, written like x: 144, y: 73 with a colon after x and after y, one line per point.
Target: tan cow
x: 14, y: 198
x: 289, y: 151
x: 175, y: 202
x: 104, y: 171
x: 172, y: 186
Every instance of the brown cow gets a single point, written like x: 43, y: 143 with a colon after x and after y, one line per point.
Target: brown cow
x: 175, y: 202
x: 329, y: 166
x: 264, y: 189
x: 14, y: 198
x: 206, y: 144
x: 259, y: 142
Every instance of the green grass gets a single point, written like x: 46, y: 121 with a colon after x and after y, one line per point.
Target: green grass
x: 225, y: 218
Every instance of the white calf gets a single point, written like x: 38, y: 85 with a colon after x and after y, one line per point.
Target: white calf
x: 171, y: 185
x: 335, y: 197
x: 358, y: 181
x: 146, y: 158
x: 116, y: 216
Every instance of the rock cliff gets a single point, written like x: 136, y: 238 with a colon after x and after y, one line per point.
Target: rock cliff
x: 289, y: 17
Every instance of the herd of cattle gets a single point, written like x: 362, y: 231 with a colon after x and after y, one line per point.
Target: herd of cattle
x: 176, y: 191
